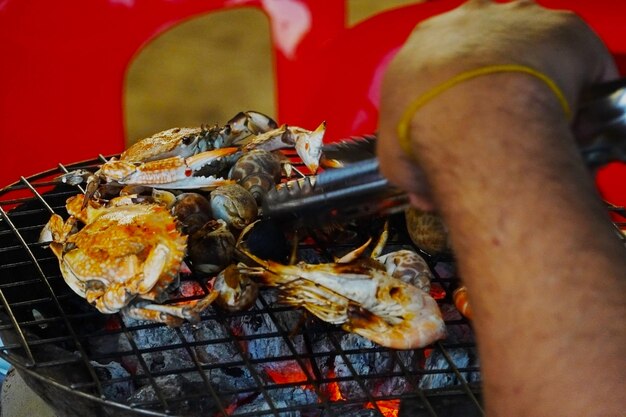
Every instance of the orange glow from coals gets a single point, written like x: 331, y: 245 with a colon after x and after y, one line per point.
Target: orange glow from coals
x: 389, y: 408
x: 437, y: 291
x: 190, y: 289
x: 289, y: 373
x: 334, y: 393
x: 292, y: 373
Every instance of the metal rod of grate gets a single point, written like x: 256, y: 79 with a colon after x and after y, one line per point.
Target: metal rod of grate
x: 73, y: 354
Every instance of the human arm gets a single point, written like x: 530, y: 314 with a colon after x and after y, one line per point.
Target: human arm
x: 497, y: 157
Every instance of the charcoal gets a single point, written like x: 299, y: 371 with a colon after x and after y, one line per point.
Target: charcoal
x: 436, y: 363
x: 441, y: 405
x: 445, y: 270
x: 156, y: 337
x: 183, y: 396
x: 351, y: 411
x: 282, y: 398
x: 219, y: 347
x: 112, y: 371
x: 104, y: 345
x: 369, y: 359
x: 272, y: 347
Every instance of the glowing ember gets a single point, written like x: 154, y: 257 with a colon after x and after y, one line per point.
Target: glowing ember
x: 333, y: 391
x: 190, y: 289
x: 437, y: 291
x: 289, y: 373
x: 389, y: 408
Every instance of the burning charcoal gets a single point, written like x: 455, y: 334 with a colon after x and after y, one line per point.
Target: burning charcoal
x: 405, y: 361
x: 282, y: 398
x: 352, y: 411
x: 115, y: 391
x: 232, y: 374
x: 164, y: 357
x: 216, y: 349
x: 393, y: 385
x: 441, y: 375
x: 104, y: 345
x: 362, y: 355
x: 184, y: 397
x: 275, y: 345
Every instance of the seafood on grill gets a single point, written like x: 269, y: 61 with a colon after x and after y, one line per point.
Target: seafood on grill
x: 178, y: 141
x: 404, y: 264
x: 308, y: 144
x: 258, y: 171
x: 242, y: 126
x: 234, y: 204
x: 427, y: 231
x: 360, y: 296
x: 236, y: 291
x: 188, y: 141
x: 175, y: 172
x: 174, y: 147
x: 124, y: 258
x: 461, y: 302
x: 211, y: 247
x: 407, y: 266
x: 192, y: 210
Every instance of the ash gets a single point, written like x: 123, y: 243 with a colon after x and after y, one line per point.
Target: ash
x: 186, y: 396
x: 149, y: 341
x: 116, y: 384
x: 290, y: 398
x: 360, y: 359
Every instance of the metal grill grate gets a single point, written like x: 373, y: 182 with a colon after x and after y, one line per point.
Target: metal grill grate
x: 64, y: 348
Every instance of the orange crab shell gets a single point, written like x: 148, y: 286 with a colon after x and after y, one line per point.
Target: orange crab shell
x: 113, y: 249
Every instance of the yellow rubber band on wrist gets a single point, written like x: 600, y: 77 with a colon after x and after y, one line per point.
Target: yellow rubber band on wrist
x: 404, y: 125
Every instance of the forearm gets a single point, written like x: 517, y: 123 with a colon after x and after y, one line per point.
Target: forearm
x: 518, y: 201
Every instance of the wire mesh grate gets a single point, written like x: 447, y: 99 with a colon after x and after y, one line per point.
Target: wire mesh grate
x: 270, y: 360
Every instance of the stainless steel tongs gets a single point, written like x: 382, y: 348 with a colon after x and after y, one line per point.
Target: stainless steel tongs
x: 359, y: 190
x: 335, y: 195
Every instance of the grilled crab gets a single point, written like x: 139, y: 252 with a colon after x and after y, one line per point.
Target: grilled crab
x: 177, y: 158
x: 125, y: 252
x: 308, y: 143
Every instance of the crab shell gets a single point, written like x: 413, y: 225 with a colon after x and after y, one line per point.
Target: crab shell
x: 123, y: 252
x: 179, y: 141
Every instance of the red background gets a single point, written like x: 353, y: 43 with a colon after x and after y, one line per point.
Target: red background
x: 63, y: 65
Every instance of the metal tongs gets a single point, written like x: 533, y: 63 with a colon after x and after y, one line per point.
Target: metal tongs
x: 358, y: 189
x: 336, y: 195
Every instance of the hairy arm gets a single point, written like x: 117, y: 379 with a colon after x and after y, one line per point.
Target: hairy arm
x: 545, y: 272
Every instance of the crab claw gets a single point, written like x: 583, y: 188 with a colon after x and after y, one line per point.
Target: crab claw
x: 174, y: 172
x: 198, y: 161
x: 309, y: 147
x: 244, y: 124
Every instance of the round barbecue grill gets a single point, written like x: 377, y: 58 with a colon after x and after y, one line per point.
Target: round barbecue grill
x: 269, y: 360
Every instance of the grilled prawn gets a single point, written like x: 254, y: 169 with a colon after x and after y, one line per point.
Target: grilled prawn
x: 360, y: 296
